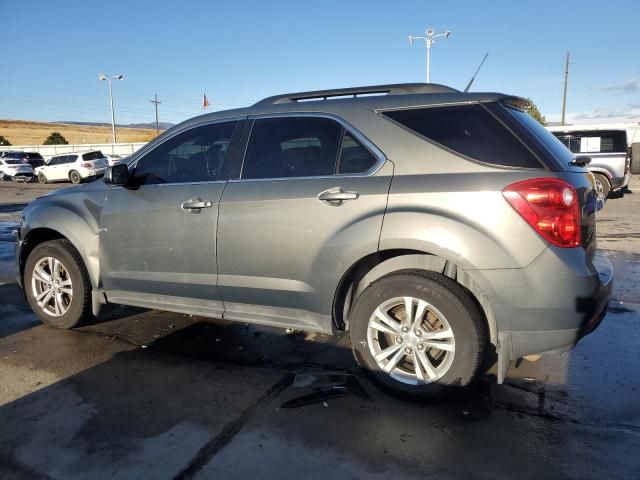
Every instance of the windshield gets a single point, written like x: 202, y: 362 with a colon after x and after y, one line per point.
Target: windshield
x: 93, y: 155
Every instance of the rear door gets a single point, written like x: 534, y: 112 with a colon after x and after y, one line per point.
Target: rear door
x: 307, y: 201
x: 158, y: 239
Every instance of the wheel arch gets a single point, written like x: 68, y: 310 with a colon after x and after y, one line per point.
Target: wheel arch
x: 375, y: 266
x: 58, y: 222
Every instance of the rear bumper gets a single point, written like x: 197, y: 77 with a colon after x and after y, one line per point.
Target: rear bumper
x: 548, y: 306
x: 620, y: 182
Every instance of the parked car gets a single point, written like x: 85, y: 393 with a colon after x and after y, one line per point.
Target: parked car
x: 32, y: 158
x: 73, y: 167
x: 608, y: 149
x: 113, y: 159
x: 16, y: 170
x: 441, y: 230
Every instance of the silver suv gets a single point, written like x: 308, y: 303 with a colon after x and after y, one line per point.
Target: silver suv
x: 442, y: 230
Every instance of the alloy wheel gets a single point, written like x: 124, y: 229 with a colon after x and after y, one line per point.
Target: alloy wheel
x: 411, y: 340
x: 51, y: 286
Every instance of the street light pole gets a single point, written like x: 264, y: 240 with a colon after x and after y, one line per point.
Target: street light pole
x: 102, y: 76
x: 429, y: 38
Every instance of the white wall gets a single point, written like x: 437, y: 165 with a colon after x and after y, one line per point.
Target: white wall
x: 47, y: 151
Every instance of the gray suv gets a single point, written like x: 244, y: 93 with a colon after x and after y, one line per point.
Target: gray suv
x: 442, y: 230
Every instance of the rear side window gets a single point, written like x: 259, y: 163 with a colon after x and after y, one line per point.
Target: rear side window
x: 292, y: 147
x: 469, y: 130
x: 34, y: 156
x: 594, y: 141
x: 92, y: 155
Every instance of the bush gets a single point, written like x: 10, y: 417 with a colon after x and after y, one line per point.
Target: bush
x: 4, y: 142
x: 55, y: 138
x: 534, y: 112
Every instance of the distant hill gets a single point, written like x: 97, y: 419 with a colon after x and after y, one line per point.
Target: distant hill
x: 162, y: 125
x: 22, y: 132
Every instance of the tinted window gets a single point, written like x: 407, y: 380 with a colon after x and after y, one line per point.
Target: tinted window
x: 470, y: 130
x: 196, y: 155
x: 70, y: 158
x: 354, y: 157
x: 92, y: 155
x: 33, y: 156
x: 292, y: 147
x: 56, y: 161
x: 599, y: 141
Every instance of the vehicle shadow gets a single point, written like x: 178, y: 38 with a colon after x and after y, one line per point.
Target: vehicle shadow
x: 157, y: 404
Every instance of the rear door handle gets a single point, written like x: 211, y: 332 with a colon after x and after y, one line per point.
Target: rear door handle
x: 336, y: 196
x: 195, y: 204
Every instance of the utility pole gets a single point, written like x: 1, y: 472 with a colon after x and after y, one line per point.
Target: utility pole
x: 564, y: 95
x: 156, y: 102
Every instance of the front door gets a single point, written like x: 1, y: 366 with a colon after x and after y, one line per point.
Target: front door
x: 308, y: 202
x: 158, y: 237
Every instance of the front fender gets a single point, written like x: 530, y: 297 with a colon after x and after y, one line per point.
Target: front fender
x: 75, y: 215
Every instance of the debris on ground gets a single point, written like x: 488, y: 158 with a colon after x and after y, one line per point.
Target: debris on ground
x: 327, y: 386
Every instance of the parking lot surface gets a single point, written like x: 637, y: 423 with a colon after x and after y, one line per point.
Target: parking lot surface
x: 147, y: 394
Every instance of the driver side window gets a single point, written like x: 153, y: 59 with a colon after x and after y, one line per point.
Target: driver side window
x: 196, y: 155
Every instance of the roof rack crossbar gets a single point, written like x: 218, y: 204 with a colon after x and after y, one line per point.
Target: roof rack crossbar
x: 391, y: 89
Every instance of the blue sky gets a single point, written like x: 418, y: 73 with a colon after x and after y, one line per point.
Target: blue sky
x: 238, y: 52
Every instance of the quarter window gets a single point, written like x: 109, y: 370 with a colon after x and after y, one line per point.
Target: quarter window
x: 354, y: 157
x: 292, y: 147
x: 196, y: 155
x: 469, y: 130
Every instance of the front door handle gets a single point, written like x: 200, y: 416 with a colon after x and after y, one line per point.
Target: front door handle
x: 195, y: 204
x: 336, y: 196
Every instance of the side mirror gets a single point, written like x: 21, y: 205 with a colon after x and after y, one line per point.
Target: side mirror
x: 117, y: 175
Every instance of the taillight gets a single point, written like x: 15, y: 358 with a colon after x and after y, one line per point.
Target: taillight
x: 86, y: 165
x: 550, y: 206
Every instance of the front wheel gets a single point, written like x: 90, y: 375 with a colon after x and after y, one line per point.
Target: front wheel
x: 418, y: 333
x: 75, y: 177
x: 42, y: 178
x: 57, y: 284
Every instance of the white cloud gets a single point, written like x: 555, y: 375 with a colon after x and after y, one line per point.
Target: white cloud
x: 628, y: 87
x: 627, y: 113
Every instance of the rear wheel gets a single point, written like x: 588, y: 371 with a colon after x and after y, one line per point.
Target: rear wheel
x: 57, y: 284
x: 42, y: 178
x: 418, y: 333
x: 75, y: 177
x: 603, y: 187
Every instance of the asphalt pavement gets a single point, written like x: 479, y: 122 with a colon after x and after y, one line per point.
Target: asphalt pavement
x: 148, y: 394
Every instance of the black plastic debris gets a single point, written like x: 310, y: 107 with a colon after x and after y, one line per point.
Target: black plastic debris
x: 327, y: 386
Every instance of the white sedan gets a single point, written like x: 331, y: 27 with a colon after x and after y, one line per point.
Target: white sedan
x: 73, y: 167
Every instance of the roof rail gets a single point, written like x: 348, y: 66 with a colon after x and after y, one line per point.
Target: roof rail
x: 391, y: 89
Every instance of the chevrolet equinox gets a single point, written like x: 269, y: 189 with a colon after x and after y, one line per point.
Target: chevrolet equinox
x: 440, y: 229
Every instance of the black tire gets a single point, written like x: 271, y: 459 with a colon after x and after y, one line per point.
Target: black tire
x: 602, y: 185
x: 74, y: 177
x: 452, y: 301
x: 79, y: 309
x: 42, y: 178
